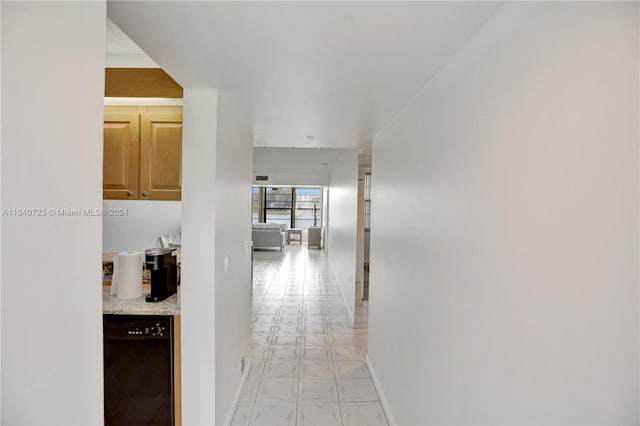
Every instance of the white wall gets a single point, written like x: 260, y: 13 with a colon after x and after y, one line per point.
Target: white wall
x: 293, y: 179
x: 504, y: 286
x: 198, y: 271
x: 129, y: 61
x: 140, y: 225
x: 52, y: 94
x: 342, y: 224
x: 216, y: 213
x: 1, y: 135
x: 233, y: 234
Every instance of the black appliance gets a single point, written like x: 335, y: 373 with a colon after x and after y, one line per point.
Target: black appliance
x: 164, y: 273
x: 138, y: 370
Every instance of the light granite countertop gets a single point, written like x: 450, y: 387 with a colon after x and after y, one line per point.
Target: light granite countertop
x: 113, y: 305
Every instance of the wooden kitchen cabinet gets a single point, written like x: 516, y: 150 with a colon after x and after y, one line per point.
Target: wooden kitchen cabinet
x: 161, y: 156
x: 121, y: 156
x: 142, y: 153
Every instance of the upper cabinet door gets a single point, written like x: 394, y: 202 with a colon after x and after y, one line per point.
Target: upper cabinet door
x: 160, y: 156
x: 121, y: 150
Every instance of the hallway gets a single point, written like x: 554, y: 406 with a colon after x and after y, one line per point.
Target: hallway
x: 308, y: 362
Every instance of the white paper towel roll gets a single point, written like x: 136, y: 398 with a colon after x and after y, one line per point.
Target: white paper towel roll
x: 114, y: 276
x: 127, y: 274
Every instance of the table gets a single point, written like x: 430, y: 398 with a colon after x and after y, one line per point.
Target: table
x: 294, y: 231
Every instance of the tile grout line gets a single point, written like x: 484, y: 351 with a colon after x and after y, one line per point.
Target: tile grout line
x: 259, y: 382
x: 301, y: 310
x: 302, y: 272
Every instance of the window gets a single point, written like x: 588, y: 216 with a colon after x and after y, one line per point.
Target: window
x: 308, y: 205
x: 367, y: 201
x: 294, y: 207
x: 277, y: 205
x: 256, y: 205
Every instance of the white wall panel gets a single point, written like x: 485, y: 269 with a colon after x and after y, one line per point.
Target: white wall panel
x: 504, y: 278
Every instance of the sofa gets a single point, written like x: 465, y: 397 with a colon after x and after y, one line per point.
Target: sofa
x: 268, y: 235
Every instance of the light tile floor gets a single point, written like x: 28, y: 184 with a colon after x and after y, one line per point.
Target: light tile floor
x: 308, y: 361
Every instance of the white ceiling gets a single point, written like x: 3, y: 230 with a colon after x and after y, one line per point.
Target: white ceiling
x: 121, y: 51
x: 118, y: 43
x: 296, y: 160
x: 338, y: 71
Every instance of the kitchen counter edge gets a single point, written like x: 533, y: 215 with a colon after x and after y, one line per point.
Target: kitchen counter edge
x: 139, y: 306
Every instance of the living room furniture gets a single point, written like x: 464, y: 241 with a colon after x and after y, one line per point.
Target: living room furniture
x: 268, y: 236
x: 294, y: 231
x: 315, y: 237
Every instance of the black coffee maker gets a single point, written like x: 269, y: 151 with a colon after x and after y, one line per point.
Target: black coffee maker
x: 164, y: 273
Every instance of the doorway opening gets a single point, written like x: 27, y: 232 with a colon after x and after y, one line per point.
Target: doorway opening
x: 361, y: 317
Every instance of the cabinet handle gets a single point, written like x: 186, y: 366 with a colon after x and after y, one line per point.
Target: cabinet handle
x: 129, y: 193
x: 145, y: 193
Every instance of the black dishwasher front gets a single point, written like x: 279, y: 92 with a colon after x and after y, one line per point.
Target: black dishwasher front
x: 138, y: 370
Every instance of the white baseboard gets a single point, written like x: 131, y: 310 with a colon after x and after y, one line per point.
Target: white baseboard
x: 236, y: 398
x: 349, y: 308
x: 383, y: 399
